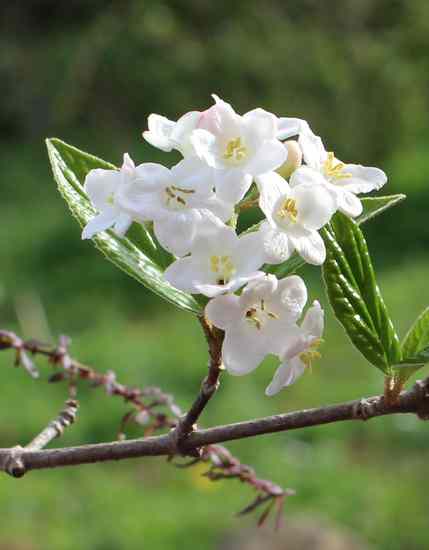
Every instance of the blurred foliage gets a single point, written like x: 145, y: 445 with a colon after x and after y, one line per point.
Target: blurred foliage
x: 90, y: 73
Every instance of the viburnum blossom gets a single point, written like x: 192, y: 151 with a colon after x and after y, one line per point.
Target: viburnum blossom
x: 219, y: 262
x: 295, y: 212
x: 194, y: 208
x: 235, y: 148
x: 257, y: 322
x: 344, y: 180
x: 300, y: 351
x: 107, y: 190
x: 180, y: 202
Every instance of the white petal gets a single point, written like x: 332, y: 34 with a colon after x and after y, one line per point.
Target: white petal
x: 249, y: 254
x: 223, y: 210
x: 277, y: 245
x: 160, y: 129
x: 271, y: 187
x: 364, y: 179
x: 310, y: 247
x: 313, y: 150
x: 184, y: 274
x: 128, y: 165
x: 193, y: 174
x: 223, y: 311
x: 242, y: 350
x: 293, y: 295
x: 349, y: 203
x: 315, y: 204
x: 306, y: 175
x: 228, y: 123
x: 205, y: 147
x: 284, y: 376
x: 314, y: 320
x: 234, y: 284
x: 176, y: 232
x: 290, y: 127
x: 100, y: 185
x: 180, y: 136
x: 214, y: 238
x: 264, y: 287
x: 269, y: 156
x: 150, y: 176
x: 101, y: 222
x: 232, y: 184
x: 122, y: 224
x: 260, y: 124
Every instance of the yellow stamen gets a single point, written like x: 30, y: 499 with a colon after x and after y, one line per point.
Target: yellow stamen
x: 223, y: 266
x: 334, y: 168
x: 288, y: 209
x: 311, y: 354
x: 235, y: 150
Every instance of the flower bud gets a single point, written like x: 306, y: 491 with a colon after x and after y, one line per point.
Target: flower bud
x: 294, y: 158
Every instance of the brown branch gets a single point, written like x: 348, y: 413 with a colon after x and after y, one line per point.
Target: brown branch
x: 222, y: 465
x: 70, y: 369
x: 414, y: 401
x: 208, y: 387
x: 14, y: 465
x: 55, y: 428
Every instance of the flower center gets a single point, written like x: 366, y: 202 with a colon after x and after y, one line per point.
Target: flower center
x: 223, y: 267
x: 176, y: 197
x: 288, y: 210
x: 235, y: 151
x: 312, y: 353
x: 334, y: 169
x: 258, y: 315
x: 111, y: 199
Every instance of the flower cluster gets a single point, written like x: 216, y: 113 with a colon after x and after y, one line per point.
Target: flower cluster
x: 231, y: 161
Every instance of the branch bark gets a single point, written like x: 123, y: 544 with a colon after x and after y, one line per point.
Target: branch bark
x: 208, y: 388
x: 414, y: 401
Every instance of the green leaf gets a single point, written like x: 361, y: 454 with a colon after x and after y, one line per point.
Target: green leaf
x: 355, y: 296
x: 415, y: 347
x: 372, y: 206
x: 70, y: 166
x: 417, y: 338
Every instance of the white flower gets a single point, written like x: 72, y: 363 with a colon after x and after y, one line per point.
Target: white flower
x: 344, y: 180
x: 234, y: 148
x: 168, y: 135
x: 180, y: 202
x: 257, y: 322
x: 294, y: 215
x: 300, y: 351
x: 220, y: 262
x: 238, y: 148
x: 107, y: 190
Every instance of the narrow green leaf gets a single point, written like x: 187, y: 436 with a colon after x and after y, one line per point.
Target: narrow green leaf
x: 415, y: 347
x: 373, y: 206
x: 354, y: 294
x: 70, y: 166
x: 417, y: 338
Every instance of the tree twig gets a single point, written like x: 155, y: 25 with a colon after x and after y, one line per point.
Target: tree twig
x: 55, y: 428
x: 222, y: 464
x: 414, y: 401
x: 208, y: 387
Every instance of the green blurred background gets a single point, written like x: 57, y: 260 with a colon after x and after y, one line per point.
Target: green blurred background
x: 90, y: 72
